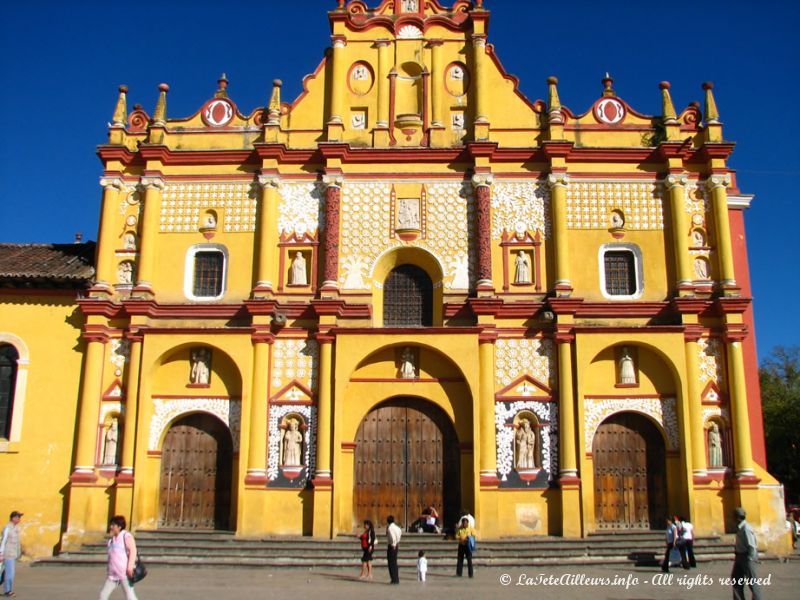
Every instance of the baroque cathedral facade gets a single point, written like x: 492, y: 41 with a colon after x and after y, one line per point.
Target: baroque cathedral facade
x: 410, y: 286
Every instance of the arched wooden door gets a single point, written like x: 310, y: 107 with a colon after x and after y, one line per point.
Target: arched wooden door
x: 629, y: 473
x: 196, y: 464
x: 406, y: 457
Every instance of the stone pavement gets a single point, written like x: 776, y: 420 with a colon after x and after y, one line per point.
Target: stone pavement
x: 83, y: 583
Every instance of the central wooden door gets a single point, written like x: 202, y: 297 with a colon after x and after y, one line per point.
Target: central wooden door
x: 196, y: 463
x: 629, y: 473
x: 406, y: 457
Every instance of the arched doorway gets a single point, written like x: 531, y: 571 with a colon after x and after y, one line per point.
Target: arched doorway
x: 196, y: 466
x: 406, y: 457
x: 629, y: 473
x: 408, y: 298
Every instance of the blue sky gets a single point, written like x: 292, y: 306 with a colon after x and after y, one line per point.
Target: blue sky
x: 62, y: 63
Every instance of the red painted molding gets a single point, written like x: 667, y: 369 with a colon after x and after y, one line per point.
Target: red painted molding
x: 619, y: 309
x: 349, y: 446
x: 83, y: 478
x: 255, y: 480
x: 728, y: 306
x: 636, y: 396
x: 195, y: 397
x: 485, y: 306
x: 415, y: 380
x: 565, y: 306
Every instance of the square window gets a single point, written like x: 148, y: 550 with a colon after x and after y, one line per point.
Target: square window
x: 208, y: 272
x: 620, y: 272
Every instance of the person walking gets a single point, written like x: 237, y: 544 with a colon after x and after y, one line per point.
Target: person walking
x: 367, y: 538
x: 393, y: 535
x: 672, y: 537
x: 422, y: 566
x: 462, y: 536
x: 10, y: 551
x: 745, y: 557
x: 688, y: 540
x: 680, y: 541
x: 121, y: 560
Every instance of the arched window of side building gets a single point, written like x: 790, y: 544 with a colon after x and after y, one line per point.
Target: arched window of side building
x: 408, y: 298
x: 8, y: 377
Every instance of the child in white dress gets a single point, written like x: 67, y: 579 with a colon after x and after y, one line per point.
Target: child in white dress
x: 422, y: 566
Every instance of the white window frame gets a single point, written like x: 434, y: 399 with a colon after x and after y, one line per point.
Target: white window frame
x: 638, y: 276
x: 188, y: 277
x: 20, y: 387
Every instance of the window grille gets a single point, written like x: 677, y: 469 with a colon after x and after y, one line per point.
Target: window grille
x: 8, y: 376
x: 208, y: 268
x: 408, y: 298
x: 620, y: 273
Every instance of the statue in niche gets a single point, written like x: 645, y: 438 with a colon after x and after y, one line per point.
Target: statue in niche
x: 523, y: 268
x: 458, y: 120
x: 410, y: 6
x: 408, y: 213
x: 701, y: 268
x: 292, y: 445
x: 359, y: 121
x: 129, y: 241
x: 110, y: 445
x: 617, y: 220
x: 210, y: 222
x: 526, y: 445
x: 457, y: 73
x: 201, y: 366
x: 714, y: 447
x: 125, y: 273
x: 407, y: 369
x: 627, y: 372
x: 299, y: 276
x: 698, y: 240
x: 360, y: 73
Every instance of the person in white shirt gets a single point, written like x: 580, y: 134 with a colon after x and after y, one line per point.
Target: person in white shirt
x: 688, y: 539
x: 422, y: 566
x: 393, y: 535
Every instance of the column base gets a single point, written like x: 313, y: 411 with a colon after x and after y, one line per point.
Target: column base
x: 571, y: 521
x: 83, y: 475
x: 256, y: 477
x: 489, y: 479
x: 323, y: 511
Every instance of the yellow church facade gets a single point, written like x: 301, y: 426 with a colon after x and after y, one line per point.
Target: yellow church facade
x: 412, y: 286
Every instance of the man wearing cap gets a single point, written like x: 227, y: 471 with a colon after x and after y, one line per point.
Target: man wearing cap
x: 10, y: 551
x: 746, y: 556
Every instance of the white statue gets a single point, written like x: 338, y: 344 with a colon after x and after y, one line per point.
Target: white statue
x: 698, y: 239
x: 701, y: 268
x: 292, y: 446
x: 129, y: 241
x: 359, y: 121
x: 458, y: 120
x: 714, y: 447
x: 201, y: 366
x: 125, y: 273
x: 410, y: 6
x: 408, y: 213
x: 457, y: 73
x: 523, y: 268
x: 526, y: 445
x: 110, y: 446
x: 627, y: 372
x: 617, y: 221
x: 360, y: 73
x: 210, y: 221
x: 299, y: 276
x: 407, y: 370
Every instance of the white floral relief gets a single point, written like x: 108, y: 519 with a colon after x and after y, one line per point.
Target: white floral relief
x: 295, y: 359
x: 710, y: 360
x: 696, y: 200
x: 547, y: 413
x: 182, y: 205
x: 590, y: 203
x: 520, y: 206
x: 516, y: 357
x: 301, y: 208
x: 130, y: 198
x: 364, y: 230
x: 167, y: 410
x: 120, y: 352
x: 276, y: 414
x: 661, y: 410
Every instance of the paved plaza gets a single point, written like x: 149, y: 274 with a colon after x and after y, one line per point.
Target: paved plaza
x: 83, y: 583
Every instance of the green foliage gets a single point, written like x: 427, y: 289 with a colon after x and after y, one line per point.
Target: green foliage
x: 780, y: 396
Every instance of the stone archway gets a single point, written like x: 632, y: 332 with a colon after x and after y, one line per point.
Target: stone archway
x: 196, y: 474
x: 406, y: 456
x: 630, y: 487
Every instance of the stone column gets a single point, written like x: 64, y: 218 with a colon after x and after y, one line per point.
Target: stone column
x: 567, y: 430
x: 131, y: 406
x: 676, y: 186
x: 437, y: 79
x: 338, y: 87
x: 333, y: 194
x: 737, y: 389
x: 89, y: 415
x: 112, y: 187
x: 558, y: 203
x: 716, y: 185
x: 267, y: 233
x: 488, y: 441
x: 481, y: 79
x: 149, y: 230
x: 383, y: 83
x: 483, y: 224
x: 695, y: 417
x: 257, y: 448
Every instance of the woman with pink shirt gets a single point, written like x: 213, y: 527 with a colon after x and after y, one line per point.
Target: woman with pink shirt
x: 121, y: 560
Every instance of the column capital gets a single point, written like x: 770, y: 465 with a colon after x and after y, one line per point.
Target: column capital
x: 482, y: 180
x: 672, y: 180
x: 555, y: 180
x: 479, y: 39
x: 382, y: 42
x: 487, y: 337
x: 333, y: 180
x: 112, y: 182
x: 338, y: 41
x: 722, y: 180
x: 435, y: 43
x: 269, y: 181
x: 152, y: 183
x: 564, y: 334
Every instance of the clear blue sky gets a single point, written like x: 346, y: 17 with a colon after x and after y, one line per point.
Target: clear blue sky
x: 63, y: 60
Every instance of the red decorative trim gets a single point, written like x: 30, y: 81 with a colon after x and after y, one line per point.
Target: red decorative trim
x: 565, y: 306
x: 729, y: 306
x: 734, y: 332
x: 415, y: 380
x: 255, y: 480
x: 619, y: 309
x: 349, y: 446
x: 154, y: 453
x: 415, y: 331
x: 691, y: 306
x: 692, y: 332
x: 570, y: 482
x: 489, y: 481
x: 485, y: 306
x: 322, y: 482
x: 644, y: 329
x: 124, y: 479
x: 626, y: 385
x: 294, y: 383
x: 116, y: 384
x: 78, y: 478
x: 632, y: 396
x: 538, y: 385
x: 188, y: 397
x: 565, y: 334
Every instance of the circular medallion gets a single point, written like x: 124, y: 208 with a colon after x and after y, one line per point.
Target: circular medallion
x: 130, y: 221
x: 609, y: 111
x: 361, y: 78
x: 456, y: 79
x: 218, y: 113
x: 697, y: 219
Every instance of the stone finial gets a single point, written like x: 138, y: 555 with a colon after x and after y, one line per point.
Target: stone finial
x: 667, y: 108
x: 222, y: 87
x: 711, y: 112
x: 553, y: 101
x: 78, y: 237
x: 274, y: 108
x: 608, y: 85
x: 121, y: 110
x: 160, y: 115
